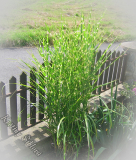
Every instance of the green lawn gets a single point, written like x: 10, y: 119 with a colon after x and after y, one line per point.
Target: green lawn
x: 29, y: 21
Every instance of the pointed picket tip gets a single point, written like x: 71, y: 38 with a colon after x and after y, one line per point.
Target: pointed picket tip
x: 2, y: 87
x: 23, y: 74
x: 32, y: 71
x: 23, y: 79
x: 12, y: 79
x: 12, y: 84
x: 2, y: 83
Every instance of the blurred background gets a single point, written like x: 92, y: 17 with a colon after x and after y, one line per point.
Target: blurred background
x: 21, y: 21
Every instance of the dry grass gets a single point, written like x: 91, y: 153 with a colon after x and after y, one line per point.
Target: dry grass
x: 37, y: 16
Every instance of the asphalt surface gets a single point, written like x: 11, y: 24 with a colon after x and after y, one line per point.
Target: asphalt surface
x: 11, y: 64
x: 11, y: 60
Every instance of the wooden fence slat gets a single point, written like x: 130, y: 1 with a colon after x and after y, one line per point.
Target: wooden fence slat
x: 114, y: 69
x: 41, y: 103
x: 106, y: 71
x: 123, y: 68
x: 101, y: 76
x: 32, y: 97
x: 119, y: 68
x: 13, y: 101
x: 118, y: 61
x: 3, y: 111
x: 110, y: 70
x: 23, y: 100
x: 97, y: 58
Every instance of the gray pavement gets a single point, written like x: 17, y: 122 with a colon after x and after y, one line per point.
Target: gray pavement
x: 11, y: 65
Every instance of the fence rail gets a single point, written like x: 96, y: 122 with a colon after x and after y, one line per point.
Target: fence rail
x: 115, y: 71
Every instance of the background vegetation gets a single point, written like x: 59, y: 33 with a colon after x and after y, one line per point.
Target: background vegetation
x: 28, y: 21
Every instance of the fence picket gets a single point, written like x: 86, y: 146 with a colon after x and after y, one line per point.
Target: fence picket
x: 13, y: 101
x: 101, y: 76
x: 114, y: 69
x: 119, y: 68
x: 111, y: 69
x: 32, y: 97
x: 41, y: 102
x: 23, y: 100
x: 106, y: 71
x: 97, y: 58
x: 123, y: 68
x: 3, y: 111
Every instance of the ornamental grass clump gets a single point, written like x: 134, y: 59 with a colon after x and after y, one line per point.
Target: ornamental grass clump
x: 65, y: 84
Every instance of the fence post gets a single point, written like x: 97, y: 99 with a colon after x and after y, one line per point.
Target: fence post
x: 130, y: 72
x: 3, y: 112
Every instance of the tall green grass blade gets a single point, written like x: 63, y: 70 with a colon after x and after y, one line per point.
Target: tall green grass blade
x: 115, y: 98
x: 58, y: 130
x: 64, y: 145
x: 89, y: 139
x: 99, y: 96
x: 108, y: 113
